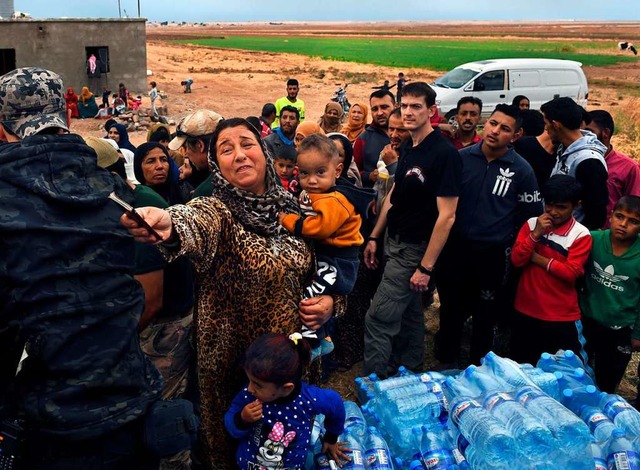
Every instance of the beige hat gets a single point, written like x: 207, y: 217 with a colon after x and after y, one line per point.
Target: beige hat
x: 107, y: 155
x: 201, y: 123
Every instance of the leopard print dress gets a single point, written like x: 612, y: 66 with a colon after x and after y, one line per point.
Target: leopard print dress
x: 248, y: 285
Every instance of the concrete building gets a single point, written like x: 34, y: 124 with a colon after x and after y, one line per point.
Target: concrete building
x: 65, y: 45
x: 7, y: 8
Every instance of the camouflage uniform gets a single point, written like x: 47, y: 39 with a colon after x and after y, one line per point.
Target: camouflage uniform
x: 66, y: 287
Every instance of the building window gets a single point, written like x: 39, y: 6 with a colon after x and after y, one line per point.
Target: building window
x: 102, y: 56
x: 7, y: 60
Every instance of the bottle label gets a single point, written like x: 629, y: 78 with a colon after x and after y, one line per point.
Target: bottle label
x: 494, y: 399
x: 596, y: 419
x: 460, y: 408
x: 615, y: 406
x: 457, y: 455
x: 529, y: 394
x: 356, y: 458
x: 377, y: 459
x: 599, y: 464
x: 622, y: 460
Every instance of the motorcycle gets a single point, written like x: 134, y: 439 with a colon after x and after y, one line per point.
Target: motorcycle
x: 340, y: 97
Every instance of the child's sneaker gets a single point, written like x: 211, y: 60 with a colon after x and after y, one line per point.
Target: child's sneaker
x: 326, y: 346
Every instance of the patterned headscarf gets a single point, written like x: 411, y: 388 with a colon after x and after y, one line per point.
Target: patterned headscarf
x: 256, y: 212
x: 353, y: 130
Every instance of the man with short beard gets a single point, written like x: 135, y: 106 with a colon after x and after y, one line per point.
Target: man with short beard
x: 367, y: 147
x: 286, y: 132
x: 293, y: 87
x: 397, y: 135
x: 468, y: 115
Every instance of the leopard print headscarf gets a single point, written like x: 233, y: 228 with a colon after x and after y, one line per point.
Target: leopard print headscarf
x: 257, y: 213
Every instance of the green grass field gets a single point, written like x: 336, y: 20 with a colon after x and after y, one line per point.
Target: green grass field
x: 422, y: 53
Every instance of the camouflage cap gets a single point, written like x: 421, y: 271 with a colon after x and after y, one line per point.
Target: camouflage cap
x: 32, y: 99
x: 202, y: 122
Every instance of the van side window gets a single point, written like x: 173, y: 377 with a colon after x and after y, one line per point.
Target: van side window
x: 490, y: 81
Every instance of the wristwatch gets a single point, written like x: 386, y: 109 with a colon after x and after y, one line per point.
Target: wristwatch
x: 423, y: 270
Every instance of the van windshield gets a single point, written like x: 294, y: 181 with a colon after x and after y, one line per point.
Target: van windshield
x: 456, y: 78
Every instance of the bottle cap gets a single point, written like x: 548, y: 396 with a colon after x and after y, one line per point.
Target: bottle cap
x: 545, y: 356
x: 617, y: 432
x: 567, y: 392
x: 591, y: 389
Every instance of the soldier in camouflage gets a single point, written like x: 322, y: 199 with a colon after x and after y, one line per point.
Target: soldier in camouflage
x: 68, y: 301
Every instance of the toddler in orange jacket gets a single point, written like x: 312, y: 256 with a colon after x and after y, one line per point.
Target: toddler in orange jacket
x: 332, y: 211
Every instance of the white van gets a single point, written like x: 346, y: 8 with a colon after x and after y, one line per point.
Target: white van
x: 500, y: 80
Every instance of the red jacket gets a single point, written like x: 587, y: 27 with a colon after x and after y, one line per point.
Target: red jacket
x: 552, y: 295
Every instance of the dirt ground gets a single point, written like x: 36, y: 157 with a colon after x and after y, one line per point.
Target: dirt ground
x: 238, y: 83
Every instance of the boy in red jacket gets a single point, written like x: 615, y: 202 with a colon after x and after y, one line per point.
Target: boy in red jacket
x: 552, y: 250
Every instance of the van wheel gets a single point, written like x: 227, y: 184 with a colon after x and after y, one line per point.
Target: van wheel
x: 451, y: 117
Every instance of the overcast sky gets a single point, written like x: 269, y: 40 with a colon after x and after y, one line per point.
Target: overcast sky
x: 337, y: 10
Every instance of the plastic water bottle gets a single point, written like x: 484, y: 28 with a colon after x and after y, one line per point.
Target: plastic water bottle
x: 561, y: 361
x: 376, y: 452
x: 621, y: 413
x: 320, y: 459
x: 415, y: 408
x: 481, y: 429
x: 599, y: 457
x: 508, y: 370
x: 354, y: 419
x: 357, y: 452
x: 418, y: 388
x: 416, y: 465
x: 435, y: 452
x: 534, y: 439
x: 573, y: 379
x: 572, y: 434
x: 577, y: 398
x: 365, y: 385
x: 600, y: 426
x: 546, y: 381
x: 636, y: 445
x: 394, y: 382
x: 620, y: 453
x: 318, y: 428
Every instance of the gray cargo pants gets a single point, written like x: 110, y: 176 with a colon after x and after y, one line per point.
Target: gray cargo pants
x: 394, y: 324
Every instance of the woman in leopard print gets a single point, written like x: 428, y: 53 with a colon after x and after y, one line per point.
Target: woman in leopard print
x: 250, y: 271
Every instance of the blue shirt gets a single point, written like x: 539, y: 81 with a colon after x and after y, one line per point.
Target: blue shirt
x: 497, y: 196
x: 283, y: 435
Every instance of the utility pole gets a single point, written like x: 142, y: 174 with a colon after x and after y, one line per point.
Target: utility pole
x: 119, y: 10
x: 138, y: 8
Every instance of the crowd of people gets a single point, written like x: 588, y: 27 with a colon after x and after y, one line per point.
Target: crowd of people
x: 256, y: 256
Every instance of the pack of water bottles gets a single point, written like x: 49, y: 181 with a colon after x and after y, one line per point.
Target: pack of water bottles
x: 499, y: 415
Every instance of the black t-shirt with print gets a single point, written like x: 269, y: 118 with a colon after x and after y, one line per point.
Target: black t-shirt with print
x: 430, y: 170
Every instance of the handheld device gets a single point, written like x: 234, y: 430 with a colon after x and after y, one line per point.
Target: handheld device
x: 131, y: 212
x: 12, y: 444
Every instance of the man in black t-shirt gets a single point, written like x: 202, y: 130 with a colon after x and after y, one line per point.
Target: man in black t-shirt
x: 418, y: 213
